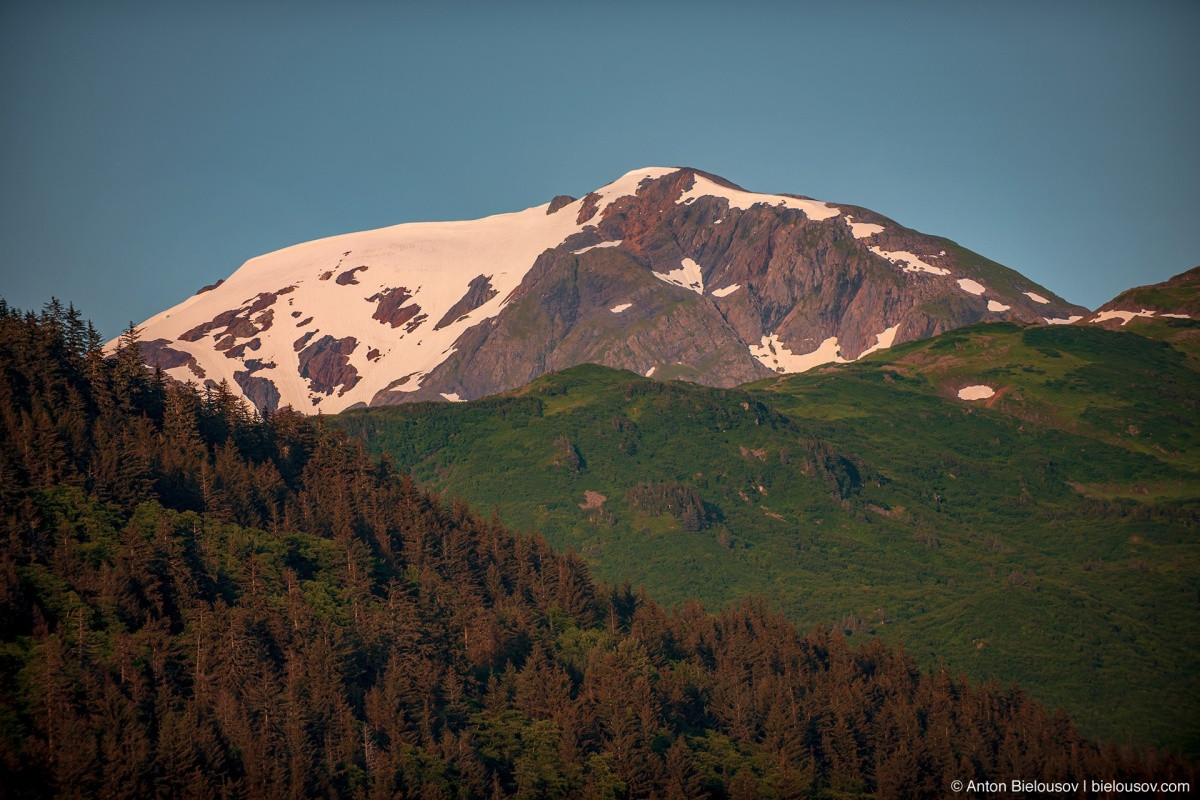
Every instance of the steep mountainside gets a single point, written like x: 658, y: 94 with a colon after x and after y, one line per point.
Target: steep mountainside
x: 1021, y: 501
x: 666, y: 272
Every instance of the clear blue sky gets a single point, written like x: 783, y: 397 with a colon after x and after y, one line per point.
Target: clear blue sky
x: 147, y: 149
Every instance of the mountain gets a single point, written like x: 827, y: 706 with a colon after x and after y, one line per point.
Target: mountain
x: 666, y: 272
x: 1021, y: 502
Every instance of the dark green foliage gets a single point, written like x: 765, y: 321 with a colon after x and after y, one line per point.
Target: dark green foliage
x: 1097, y: 343
x: 568, y: 455
x: 276, y: 615
x: 677, y: 499
x: 871, y: 495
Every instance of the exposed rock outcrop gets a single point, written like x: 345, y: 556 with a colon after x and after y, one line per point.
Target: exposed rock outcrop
x: 559, y: 201
x: 159, y: 353
x: 391, y: 309
x: 259, y: 390
x: 347, y: 278
x: 326, y: 365
x: 479, y: 291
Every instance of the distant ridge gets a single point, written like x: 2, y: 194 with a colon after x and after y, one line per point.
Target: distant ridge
x: 1176, y: 298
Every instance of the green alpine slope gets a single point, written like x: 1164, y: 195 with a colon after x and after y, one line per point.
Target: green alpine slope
x: 1046, y: 534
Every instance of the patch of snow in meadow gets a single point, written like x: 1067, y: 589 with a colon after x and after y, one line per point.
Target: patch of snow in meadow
x: 1124, y: 316
x: 774, y: 355
x: 977, y: 392
x: 882, y: 341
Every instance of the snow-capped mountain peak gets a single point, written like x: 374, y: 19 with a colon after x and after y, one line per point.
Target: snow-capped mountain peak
x: 740, y: 284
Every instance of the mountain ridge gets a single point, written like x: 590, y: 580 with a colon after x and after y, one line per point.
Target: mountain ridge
x: 666, y: 271
x: 1178, y: 297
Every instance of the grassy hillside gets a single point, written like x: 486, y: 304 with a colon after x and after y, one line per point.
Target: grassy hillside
x: 1047, y: 535
x: 1180, y: 294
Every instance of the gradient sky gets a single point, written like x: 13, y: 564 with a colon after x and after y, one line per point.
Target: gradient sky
x: 148, y: 149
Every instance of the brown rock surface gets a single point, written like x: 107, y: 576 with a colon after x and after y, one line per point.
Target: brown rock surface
x: 390, y: 308
x: 159, y: 353
x: 347, y: 278
x: 559, y: 201
x: 260, y: 391
x: 478, y: 292
x: 326, y: 364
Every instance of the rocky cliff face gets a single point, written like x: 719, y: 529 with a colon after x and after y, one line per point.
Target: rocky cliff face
x: 672, y: 273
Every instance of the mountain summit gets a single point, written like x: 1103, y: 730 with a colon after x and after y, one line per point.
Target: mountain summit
x: 669, y: 272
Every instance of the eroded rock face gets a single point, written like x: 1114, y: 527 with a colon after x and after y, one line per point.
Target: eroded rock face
x: 241, y: 322
x: 326, y: 365
x: 562, y: 316
x: 391, y: 309
x: 239, y: 351
x: 260, y: 391
x: 159, y: 353
x: 478, y: 292
x: 591, y: 204
x: 723, y: 291
x: 347, y: 278
x: 299, y: 344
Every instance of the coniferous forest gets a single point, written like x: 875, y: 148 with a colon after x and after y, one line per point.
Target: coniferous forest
x: 196, y: 602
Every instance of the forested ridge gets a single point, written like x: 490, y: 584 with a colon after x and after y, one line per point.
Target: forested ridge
x: 195, y: 602
x: 1038, y: 541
